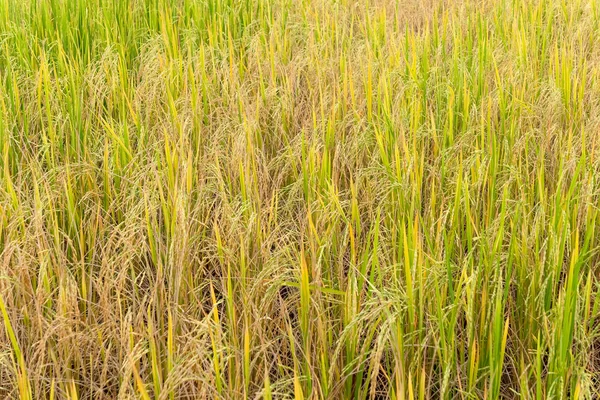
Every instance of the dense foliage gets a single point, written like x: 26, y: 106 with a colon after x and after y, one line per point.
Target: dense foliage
x: 353, y: 199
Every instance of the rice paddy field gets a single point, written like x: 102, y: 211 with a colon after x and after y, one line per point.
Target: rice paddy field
x: 299, y: 199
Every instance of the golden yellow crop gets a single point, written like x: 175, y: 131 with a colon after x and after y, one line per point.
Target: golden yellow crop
x: 309, y: 199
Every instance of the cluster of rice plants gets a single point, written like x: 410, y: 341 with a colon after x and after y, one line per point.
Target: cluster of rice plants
x: 307, y: 199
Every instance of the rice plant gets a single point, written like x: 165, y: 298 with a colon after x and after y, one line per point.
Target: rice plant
x: 300, y: 199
